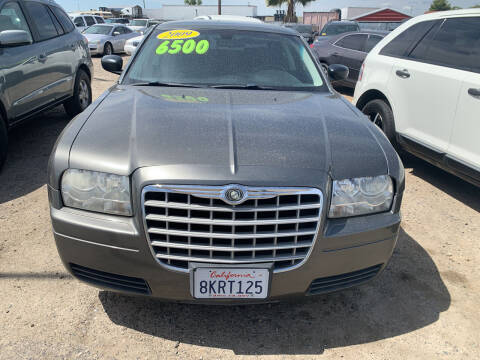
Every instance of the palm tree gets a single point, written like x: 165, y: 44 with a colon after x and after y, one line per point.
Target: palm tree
x: 291, y: 7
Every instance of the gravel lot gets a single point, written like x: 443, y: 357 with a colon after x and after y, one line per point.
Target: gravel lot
x: 425, y: 305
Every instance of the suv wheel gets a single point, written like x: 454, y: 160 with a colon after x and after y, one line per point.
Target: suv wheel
x: 380, y: 113
x: 82, y: 95
x: 107, y: 49
x: 3, y: 141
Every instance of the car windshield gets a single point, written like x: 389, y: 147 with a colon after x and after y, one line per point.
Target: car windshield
x: 335, y: 29
x: 225, y: 58
x: 301, y: 28
x: 98, y: 29
x: 139, y: 23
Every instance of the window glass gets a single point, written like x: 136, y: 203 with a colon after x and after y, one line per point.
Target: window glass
x: 228, y: 57
x: 42, y: 19
x: 400, y: 45
x: 137, y: 22
x: 127, y: 30
x: 56, y: 23
x: 337, y: 29
x: 118, y: 29
x: 99, y: 20
x: 353, y: 42
x: 78, y: 21
x: 456, y: 44
x: 63, y: 18
x: 371, y: 42
x: 98, y: 29
x: 11, y: 18
x: 89, y: 20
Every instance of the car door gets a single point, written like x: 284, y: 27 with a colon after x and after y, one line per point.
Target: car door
x: 89, y: 20
x: 20, y: 79
x: 350, y: 52
x: 55, y: 61
x: 464, y: 147
x: 118, y: 38
x: 424, y: 91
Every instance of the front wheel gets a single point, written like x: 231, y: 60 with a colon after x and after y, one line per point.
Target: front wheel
x: 380, y: 113
x: 3, y: 141
x: 82, y: 95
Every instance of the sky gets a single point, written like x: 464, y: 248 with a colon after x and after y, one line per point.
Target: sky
x: 412, y: 7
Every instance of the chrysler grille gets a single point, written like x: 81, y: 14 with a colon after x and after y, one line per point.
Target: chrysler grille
x: 194, y: 224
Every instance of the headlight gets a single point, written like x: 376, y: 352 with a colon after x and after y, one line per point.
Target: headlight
x: 361, y: 196
x: 96, y: 191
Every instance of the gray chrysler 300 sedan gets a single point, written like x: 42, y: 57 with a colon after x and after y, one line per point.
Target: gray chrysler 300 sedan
x: 223, y: 168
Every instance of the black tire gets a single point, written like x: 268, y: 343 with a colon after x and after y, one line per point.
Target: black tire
x: 3, y: 141
x: 381, y: 115
x: 82, y: 95
x: 107, y: 49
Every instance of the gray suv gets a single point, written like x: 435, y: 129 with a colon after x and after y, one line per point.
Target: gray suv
x: 44, y: 62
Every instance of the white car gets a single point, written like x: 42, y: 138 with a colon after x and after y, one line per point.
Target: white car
x: 84, y: 21
x: 237, y: 18
x: 421, y: 86
x: 131, y: 44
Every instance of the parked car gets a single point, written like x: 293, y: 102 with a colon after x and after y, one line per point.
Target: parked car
x: 200, y: 176
x: 123, y: 21
x: 107, y: 39
x: 132, y: 44
x: 349, y: 49
x: 142, y: 25
x: 305, y: 30
x: 421, y: 86
x: 83, y: 21
x: 338, y: 27
x: 234, y: 18
x: 44, y: 62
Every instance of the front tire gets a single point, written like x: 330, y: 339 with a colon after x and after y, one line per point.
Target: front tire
x: 82, y: 95
x: 107, y: 49
x: 380, y: 113
x: 3, y: 141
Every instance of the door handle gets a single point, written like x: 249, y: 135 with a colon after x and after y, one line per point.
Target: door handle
x: 404, y: 74
x: 474, y: 92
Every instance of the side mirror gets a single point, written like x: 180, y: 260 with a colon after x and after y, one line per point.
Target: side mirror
x: 337, y: 72
x: 112, y: 63
x: 14, y: 38
x: 78, y: 25
x: 116, y: 33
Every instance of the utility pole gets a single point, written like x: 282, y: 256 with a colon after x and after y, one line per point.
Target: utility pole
x: 219, y: 7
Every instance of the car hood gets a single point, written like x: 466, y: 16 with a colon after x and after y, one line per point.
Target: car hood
x: 93, y: 37
x: 136, y: 127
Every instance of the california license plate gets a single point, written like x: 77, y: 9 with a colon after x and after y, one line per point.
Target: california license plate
x: 230, y: 283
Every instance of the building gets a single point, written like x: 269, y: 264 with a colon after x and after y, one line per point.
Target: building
x: 318, y: 19
x: 374, y: 18
x: 124, y: 11
x: 185, y: 12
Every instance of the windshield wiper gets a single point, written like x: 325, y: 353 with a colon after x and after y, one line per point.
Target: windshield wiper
x: 242, y: 86
x: 166, y: 84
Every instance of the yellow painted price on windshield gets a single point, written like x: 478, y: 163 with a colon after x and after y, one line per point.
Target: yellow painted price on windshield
x: 178, y: 34
x: 182, y: 46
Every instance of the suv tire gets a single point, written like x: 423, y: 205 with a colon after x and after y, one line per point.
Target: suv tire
x: 82, y: 95
x: 3, y: 141
x: 381, y: 115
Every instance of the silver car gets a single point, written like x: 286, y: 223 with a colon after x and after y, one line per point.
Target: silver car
x: 108, y: 39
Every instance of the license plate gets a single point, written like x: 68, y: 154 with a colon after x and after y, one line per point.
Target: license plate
x: 228, y: 283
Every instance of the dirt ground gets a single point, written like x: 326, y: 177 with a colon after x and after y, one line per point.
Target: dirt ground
x: 424, y: 306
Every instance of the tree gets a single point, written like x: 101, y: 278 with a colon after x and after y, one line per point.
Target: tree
x: 192, y: 2
x: 290, y: 17
x: 440, y: 5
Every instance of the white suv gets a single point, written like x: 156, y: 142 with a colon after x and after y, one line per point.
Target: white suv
x: 421, y: 86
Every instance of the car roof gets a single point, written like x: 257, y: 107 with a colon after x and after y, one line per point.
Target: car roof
x: 449, y: 14
x: 366, y: 32
x: 229, y: 25
x: 349, y: 22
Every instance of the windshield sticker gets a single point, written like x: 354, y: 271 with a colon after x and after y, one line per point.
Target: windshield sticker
x: 182, y: 46
x: 178, y: 34
x: 185, y: 99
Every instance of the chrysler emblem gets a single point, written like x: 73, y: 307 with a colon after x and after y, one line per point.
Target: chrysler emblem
x: 234, y: 195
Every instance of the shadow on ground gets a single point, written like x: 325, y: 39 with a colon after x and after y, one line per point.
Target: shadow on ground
x: 409, y: 295
x: 446, y: 182
x: 30, y: 145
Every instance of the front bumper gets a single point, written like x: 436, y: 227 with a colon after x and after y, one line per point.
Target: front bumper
x: 118, y: 246
x: 95, y: 49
